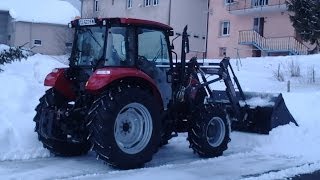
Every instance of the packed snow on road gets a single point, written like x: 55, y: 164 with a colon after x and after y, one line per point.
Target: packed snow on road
x: 288, y: 150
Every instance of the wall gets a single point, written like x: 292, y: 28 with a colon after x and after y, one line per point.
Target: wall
x: 193, y: 13
x: 277, y: 24
x: 53, y: 37
x: 119, y: 8
x: 237, y: 23
x: 88, y: 7
x: 183, y: 12
x: 4, y: 27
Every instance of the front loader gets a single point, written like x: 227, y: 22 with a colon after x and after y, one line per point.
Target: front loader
x: 124, y: 96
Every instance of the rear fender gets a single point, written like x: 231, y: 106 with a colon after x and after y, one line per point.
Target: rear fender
x: 57, y: 80
x: 102, y: 78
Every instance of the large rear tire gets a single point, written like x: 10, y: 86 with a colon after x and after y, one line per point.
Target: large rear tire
x: 52, y: 101
x: 209, y: 133
x: 125, y: 127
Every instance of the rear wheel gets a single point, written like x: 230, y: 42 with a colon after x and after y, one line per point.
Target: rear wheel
x: 209, y: 133
x: 46, y: 118
x: 125, y: 127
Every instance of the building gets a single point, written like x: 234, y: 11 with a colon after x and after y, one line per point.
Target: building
x: 37, y: 24
x: 217, y: 28
x: 176, y: 13
x: 245, y: 28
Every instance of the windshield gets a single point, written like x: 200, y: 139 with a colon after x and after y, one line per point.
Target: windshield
x: 89, y: 45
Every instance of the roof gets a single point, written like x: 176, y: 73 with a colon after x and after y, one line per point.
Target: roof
x: 40, y: 11
x: 145, y: 22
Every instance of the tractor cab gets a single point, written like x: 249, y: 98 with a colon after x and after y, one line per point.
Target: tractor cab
x: 119, y: 42
x: 121, y: 45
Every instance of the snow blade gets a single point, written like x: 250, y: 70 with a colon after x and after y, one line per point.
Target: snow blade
x: 264, y: 111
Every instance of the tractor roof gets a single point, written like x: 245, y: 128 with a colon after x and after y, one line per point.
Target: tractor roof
x: 131, y: 21
x: 145, y: 22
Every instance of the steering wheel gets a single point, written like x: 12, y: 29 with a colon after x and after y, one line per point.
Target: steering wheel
x: 142, y: 60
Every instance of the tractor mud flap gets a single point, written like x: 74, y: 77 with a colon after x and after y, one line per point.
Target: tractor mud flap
x: 262, y: 112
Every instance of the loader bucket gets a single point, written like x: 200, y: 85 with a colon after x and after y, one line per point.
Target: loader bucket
x: 265, y: 111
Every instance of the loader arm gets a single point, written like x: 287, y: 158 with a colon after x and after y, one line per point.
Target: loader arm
x: 247, y: 115
x: 222, y: 70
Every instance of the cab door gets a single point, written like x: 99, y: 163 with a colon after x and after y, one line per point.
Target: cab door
x: 153, y: 51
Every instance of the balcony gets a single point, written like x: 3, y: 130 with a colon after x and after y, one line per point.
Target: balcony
x: 272, y: 45
x: 247, y: 7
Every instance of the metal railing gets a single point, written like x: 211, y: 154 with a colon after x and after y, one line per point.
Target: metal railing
x: 276, y: 44
x: 251, y: 4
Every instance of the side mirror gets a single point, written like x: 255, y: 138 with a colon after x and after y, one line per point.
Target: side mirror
x: 172, y: 46
x: 123, y: 47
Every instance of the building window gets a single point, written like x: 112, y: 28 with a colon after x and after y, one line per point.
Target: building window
x: 147, y: 3
x: 96, y: 5
x: 228, y: 1
x: 222, y: 51
x: 225, y: 28
x: 129, y: 4
x: 155, y: 2
x: 260, y: 2
x: 68, y: 44
x: 37, y: 42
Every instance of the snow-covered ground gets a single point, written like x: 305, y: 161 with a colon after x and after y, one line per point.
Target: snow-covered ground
x: 287, y: 151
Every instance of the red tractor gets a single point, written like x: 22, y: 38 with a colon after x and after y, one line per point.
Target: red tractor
x: 124, y: 96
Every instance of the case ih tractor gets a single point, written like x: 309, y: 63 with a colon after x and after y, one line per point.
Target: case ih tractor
x: 124, y: 96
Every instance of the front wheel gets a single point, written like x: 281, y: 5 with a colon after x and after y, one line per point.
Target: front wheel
x: 125, y: 127
x: 209, y: 134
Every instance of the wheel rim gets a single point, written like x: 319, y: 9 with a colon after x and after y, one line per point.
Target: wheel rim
x: 215, y: 131
x: 133, y: 128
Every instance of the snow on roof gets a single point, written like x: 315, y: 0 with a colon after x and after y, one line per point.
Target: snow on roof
x: 40, y: 11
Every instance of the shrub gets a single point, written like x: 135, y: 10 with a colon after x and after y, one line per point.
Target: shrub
x: 294, y: 69
x: 278, y: 74
x: 12, y: 54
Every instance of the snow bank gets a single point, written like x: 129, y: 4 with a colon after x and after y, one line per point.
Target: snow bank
x: 21, y: 87
x: 258, y: 101
x: 301, y: 142
x: 3, y: 47
x: 40, y: 11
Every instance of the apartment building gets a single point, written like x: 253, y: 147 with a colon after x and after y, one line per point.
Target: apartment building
x: 176, y: 13
x: 245, y: 28
x: 217, y: 28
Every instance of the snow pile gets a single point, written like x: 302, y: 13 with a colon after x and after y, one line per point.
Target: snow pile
x: 22, y: 86
x: 40, y: 11
x: 3, y: 47
x: 297, y: 142
x: 258, y: 101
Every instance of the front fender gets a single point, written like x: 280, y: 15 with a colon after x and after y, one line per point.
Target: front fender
x: 103, y: 77
x: 58, y: 80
